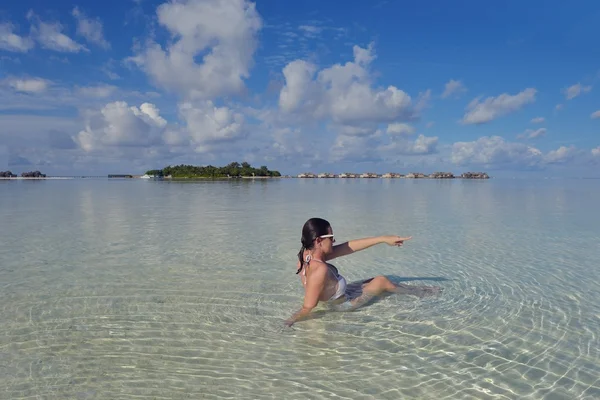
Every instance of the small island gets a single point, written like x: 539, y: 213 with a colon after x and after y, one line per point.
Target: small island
x: 231, y: 170
x: 31, y: 174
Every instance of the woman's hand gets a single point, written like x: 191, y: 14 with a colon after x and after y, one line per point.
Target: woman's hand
x: 395, y: 240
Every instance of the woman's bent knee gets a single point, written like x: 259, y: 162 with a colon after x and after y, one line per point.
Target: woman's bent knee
x: 379, y: 284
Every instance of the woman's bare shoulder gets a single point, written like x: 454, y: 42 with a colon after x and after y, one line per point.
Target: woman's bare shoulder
x: 316, y: 267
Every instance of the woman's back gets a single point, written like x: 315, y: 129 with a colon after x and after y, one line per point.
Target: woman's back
x: 333, y: 280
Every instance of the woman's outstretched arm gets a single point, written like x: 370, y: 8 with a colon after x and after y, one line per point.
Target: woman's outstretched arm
x: 352, y: 246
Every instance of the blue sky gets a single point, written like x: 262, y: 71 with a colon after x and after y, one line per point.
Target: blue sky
x: 129, y: 85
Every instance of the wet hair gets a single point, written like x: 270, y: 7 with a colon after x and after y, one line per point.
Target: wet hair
x: 312, y: 229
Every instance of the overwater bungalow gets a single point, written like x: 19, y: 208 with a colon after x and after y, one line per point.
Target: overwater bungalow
x: 442, y: 175
x: 392, y: 175
x: 415, y: 175
x: 369, y: 175
x: 474, y: 175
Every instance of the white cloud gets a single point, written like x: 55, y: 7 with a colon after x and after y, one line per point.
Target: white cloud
x: 399, y: 128
x: 479, y: 112
x: 119, y: 124
x: 343, y: 93
x: 89, y: 28
x: 575, y: 90
x: 422, y: 145
x: 50, y: 36
x: 372, y: 149
x: 537, y: 120
x: 337, y: 112
x: 222, y: 32
x: 453, y: 87
x: 494, y: 150
x: 595, y: 114
x: 561, y: 155
x: 363, y: 56
x: 355, y: 149
x: 532, y: 133
x: 288, y: 144
x: 32, y: 85
x: 208, y: 124
x: 10, y: 41
x: 300, y: 93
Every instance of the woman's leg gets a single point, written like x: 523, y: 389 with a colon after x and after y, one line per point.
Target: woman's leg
x: 358, y: 294
x: 381, y: 284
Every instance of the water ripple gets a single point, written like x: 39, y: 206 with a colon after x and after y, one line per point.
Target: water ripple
x: 167, y: 290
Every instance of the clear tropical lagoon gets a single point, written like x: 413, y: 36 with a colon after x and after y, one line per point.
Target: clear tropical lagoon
x: 123, y: 289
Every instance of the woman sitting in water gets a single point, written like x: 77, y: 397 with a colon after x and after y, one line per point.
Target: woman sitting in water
x: 321, y: 280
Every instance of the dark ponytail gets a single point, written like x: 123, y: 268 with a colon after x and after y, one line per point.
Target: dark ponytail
x: 312, y: 229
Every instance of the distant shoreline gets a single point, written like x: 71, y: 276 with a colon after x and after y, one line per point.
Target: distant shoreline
x: 435, y: 175
x: 34, y: 178
x: 20, y: 178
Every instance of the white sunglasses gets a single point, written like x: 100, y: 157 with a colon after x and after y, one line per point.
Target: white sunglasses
x: 328, y: 236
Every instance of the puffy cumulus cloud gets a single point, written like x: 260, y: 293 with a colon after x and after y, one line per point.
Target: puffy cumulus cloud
x: 207, y: 125
x: 223, y: 33
x: 494, y: 150
x: 276, y: 139
x: 290, y: 145
x: 595, y: 114
x: 300, y: 93
x: 562, y: 155
x: 400, y: 128
x: 422, y: 145
x: 596, y: 152
x: 344, y: 93
x: 118, y: 124
x: 356, y: 149
x: 374, y: 148
x: 537, y: 120
x: 480, y: 112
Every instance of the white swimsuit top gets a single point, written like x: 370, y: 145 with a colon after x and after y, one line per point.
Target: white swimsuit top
x: 341, y: 281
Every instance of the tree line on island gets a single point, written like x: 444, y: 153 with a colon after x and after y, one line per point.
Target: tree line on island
x: 31, y: 174
x: 233, y: 169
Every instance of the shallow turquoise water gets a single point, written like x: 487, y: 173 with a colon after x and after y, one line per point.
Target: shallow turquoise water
x: 149, y: 289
